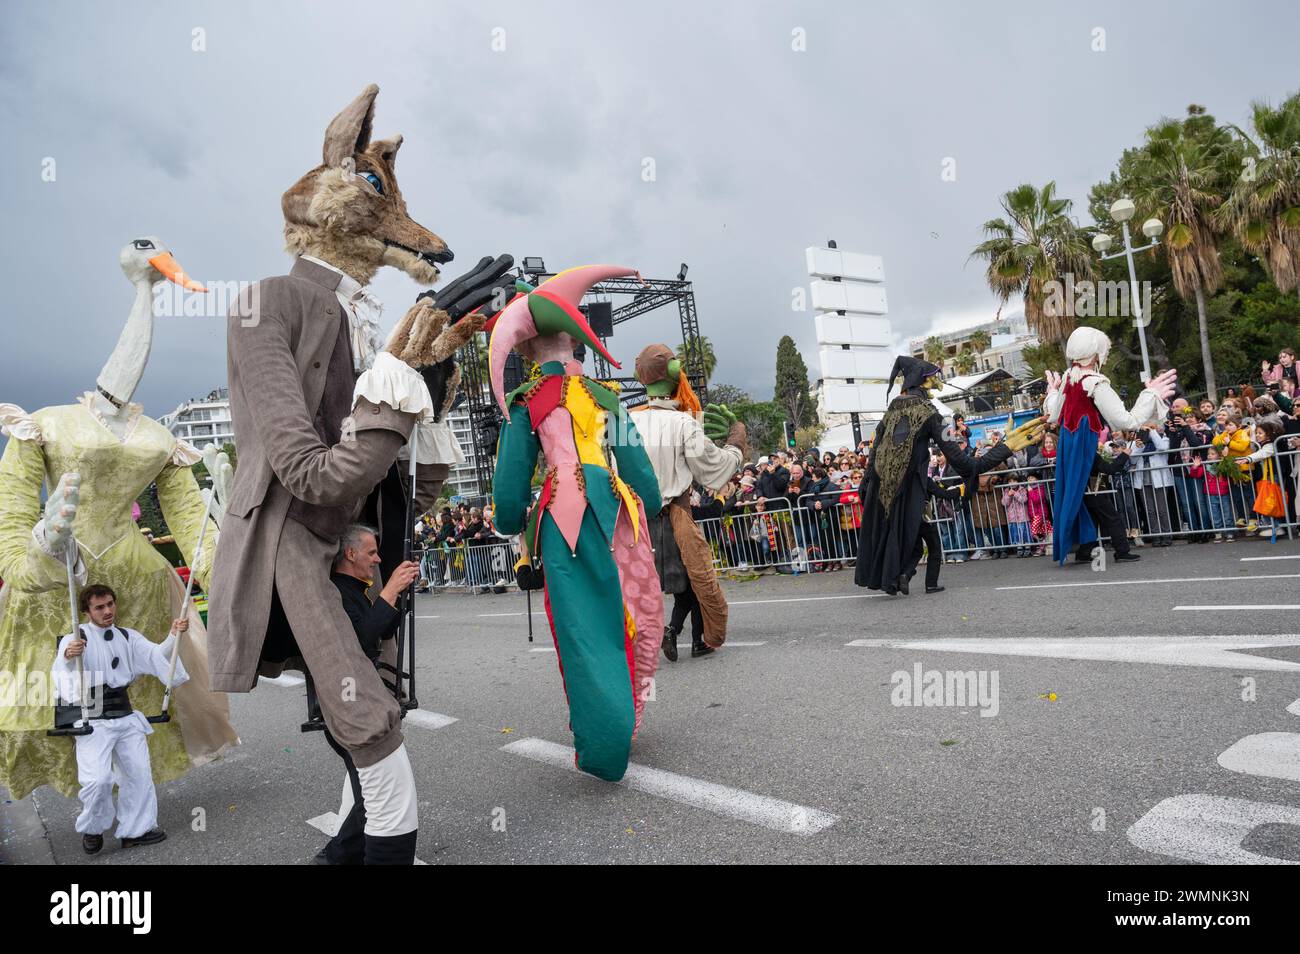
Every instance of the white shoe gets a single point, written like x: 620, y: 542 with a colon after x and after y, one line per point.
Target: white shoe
x: 979, y: 555
x: 1138, y: 542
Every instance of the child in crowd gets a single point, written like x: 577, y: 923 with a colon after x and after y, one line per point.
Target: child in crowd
x: 1216, y: 496
x: 1234, y: 442
x: 1014, y: 497
x: 1038, y: 502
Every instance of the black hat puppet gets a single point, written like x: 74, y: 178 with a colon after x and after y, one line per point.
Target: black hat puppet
x: 914, y: 371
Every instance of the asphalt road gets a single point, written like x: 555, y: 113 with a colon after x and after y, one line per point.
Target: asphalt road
x: 1137, y: 717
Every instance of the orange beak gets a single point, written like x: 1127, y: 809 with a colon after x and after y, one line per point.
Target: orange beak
x: 172, y: 271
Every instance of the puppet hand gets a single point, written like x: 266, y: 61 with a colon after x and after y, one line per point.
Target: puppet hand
x: 1053, y: 383
x: 55, y: 530
x: 223, y: 477
x: 485, y: 289
x: 718, y: 421
x: 1028, y: 433
x: 1164, y: 384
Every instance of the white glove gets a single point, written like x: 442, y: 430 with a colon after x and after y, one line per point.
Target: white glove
x: 1164, y: 384
x: 223, y: 477
x: 54, y: 531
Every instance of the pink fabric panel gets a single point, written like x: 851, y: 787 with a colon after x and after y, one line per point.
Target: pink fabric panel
x: 643, y: 599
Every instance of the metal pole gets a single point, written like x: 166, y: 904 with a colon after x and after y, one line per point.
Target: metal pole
x: 163, y: 715
x: 1135, y: 300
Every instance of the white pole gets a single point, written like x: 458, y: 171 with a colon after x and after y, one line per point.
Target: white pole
x: 1135, y: 301
x: 70, y: 558
x: 185, y: 603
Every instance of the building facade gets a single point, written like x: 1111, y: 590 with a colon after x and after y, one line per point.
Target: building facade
x: 1008, y: 339
x: 203, y: 421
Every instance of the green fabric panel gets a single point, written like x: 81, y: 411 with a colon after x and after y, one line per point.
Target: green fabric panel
x: 512, y: 481
x: 586, y: 609
x: 601, y: 499
x: 604, y: 397
x: 634, y: 465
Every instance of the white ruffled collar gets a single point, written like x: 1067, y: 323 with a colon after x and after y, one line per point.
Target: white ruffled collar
x: 89, y: 402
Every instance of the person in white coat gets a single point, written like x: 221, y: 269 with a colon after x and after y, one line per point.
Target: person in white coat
x: 111, y: 658
x: 1152, y: 478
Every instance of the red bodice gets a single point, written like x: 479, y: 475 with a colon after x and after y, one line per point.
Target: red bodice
x: 1077, y: 407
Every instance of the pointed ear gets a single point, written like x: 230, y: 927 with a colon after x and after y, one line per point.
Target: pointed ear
x: 387, y: 149
x: 349, y: 132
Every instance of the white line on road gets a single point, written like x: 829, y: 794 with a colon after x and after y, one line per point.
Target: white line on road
x: 428, y: 617
x: 1209, y: 829
x: 285, y: 681
x: 732, y: 642
x: 1294, y: 708
x: 809, y: 599
x: 429, y: 720
x: 1184, y: 579
x: 542, y: 649
x: 1294, y: 556
x: 1221, y: 652
x: 329, y: 824
x: 736, y: 803
x: 1240, y: 607
x: 1271, y: 754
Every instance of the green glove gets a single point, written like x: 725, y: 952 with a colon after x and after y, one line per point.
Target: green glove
x: 718, y: 420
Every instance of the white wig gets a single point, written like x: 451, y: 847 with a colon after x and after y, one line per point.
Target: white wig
x: 1085, y: 343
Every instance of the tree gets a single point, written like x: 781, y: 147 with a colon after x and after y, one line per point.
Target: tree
x: 792, y: 384
x: 763, y: 421
x: 964, y: 363
x: 1263, y: 209
x: 980, y: 341
x: 935, y: 351
x: 729, y: 395
x: 1181, y: 176
x: 700, y: 357
x: 1036, y: 244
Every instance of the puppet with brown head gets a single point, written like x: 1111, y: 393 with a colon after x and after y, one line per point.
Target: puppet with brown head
x: 349, y: 210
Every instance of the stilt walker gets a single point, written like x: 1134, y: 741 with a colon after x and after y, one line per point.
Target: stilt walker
x: 588, y: 526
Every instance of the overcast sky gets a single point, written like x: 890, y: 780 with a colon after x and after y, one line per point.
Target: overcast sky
x: 759, y: 149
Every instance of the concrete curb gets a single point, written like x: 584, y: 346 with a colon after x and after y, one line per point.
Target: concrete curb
x: 24, y: 839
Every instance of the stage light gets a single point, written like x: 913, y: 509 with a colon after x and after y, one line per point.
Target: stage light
x: 681, y: 275
x: 533, y: 265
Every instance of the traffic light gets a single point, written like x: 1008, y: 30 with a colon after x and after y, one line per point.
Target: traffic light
x: 789, y: 434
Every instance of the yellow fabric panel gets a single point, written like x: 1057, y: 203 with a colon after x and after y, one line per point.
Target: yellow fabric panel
x: 630, y: 504
x: 588, y: 424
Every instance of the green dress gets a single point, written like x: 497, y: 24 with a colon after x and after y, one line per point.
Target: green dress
x: 34, y: 607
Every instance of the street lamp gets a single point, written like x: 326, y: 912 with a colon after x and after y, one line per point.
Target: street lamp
x: 1121, y: 210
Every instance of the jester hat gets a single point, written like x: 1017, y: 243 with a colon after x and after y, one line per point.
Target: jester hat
x: 913, y: 371
x: 549, y: 309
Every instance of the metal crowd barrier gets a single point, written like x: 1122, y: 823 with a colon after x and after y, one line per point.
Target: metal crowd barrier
x: 490, y: 564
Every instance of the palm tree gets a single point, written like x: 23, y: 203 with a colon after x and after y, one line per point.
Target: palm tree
x: 935, y: 351
x: 1263, y: 210
x: 980, y: 341
x: 1181, y: 177
x: 700, y: 357
x: 1035, y: 244
x: 964, y: 363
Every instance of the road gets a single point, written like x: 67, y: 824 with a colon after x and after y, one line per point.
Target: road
x: 1148, y: 713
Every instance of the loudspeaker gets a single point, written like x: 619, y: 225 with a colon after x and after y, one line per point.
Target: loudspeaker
x: 600, y: 315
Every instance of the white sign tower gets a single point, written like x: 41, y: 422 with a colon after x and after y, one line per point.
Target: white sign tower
x: 854, y: 340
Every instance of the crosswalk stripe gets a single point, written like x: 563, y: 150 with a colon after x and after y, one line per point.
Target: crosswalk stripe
x: 762, y: 810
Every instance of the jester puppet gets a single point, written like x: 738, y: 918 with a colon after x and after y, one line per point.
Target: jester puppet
x: 589, y: 524
x: 1084, y: 403
x: 682, y: 451
x: 896, y: 488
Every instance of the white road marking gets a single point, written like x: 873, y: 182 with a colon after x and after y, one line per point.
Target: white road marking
x: 1240, y: 607
x: 329, y: 824
x: 521, y: 613
x: 428, y: 617
x: 811, y: 599
x: 1221, y: 652
x: 1271, y: 754
x: 1209, y: 829
x: 1183, y: 579
x: 542, y: 649
x: 429, y: 720
x: 736, y: 803
x: 1294, y: 708
x: 1294, y: 556
x: 732, y: 642
x: 285, y: 681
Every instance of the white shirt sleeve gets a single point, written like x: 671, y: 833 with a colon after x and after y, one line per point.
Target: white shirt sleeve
x: 153, y: 659
x: 64, y: 672
x: 1148, y: 406
x: 708, y: 463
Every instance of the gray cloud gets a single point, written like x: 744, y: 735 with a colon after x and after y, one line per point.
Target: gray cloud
x: 537, y: 150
